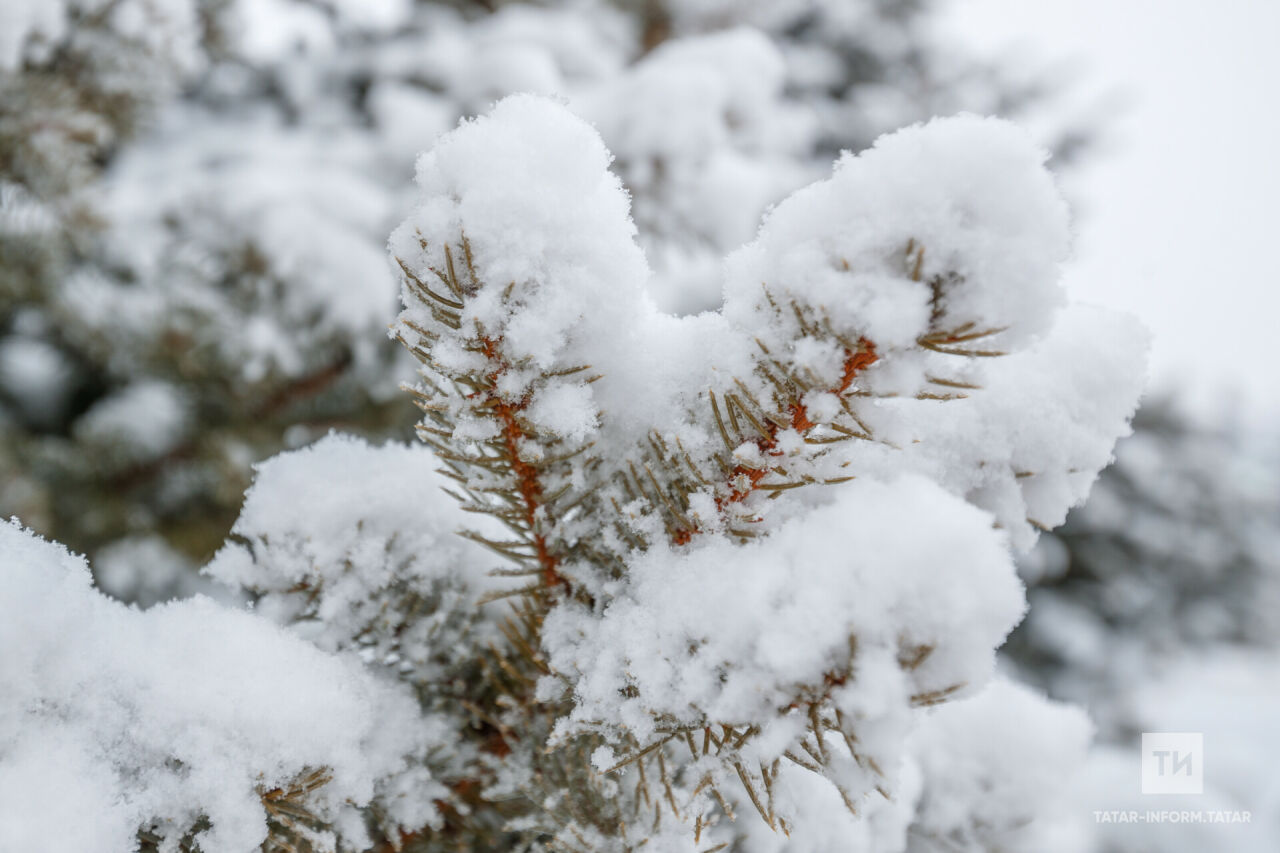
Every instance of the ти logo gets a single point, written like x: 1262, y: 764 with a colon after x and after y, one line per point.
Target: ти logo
x: 1172, y: 763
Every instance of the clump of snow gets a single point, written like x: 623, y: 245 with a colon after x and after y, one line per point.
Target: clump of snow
x: 954, y: 225
x: 370, y: 560
x: 788, y: 606
x: 734, y: 633
x: 555, y: 280
x: 113, y: 719
x: 1029, y: 443
x: 37, y: 377
x: 529, y: 187
x: 822, y: 823
x: 997, y: 771
x: 140, y: 422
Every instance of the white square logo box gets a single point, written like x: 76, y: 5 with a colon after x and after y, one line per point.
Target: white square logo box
x: 1173, y: 762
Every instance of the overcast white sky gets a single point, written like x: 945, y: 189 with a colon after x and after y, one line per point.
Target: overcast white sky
x: 1181, y: 225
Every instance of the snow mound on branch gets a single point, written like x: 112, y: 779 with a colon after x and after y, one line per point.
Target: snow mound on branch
x: 1029, y: 444
x: 559, y: 278
x: 529, y: 185
x: 971, y: 192
x: 997, y: 770
x: 112, y: 719
x: 346, y: 542
x: 731, y: 632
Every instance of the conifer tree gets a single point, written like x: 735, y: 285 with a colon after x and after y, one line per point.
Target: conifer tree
x: 729, y: 581
x: 194, y: 196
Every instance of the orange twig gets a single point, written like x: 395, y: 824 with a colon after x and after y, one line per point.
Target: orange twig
x: 743, y: 480
x: 530, y: 487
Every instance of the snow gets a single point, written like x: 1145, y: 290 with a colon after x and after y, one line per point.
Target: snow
x: 529, y: 188
x: 355, y: 547
x: 998, y: 770
x: 851, y: 342
x: 916, y: 213
x: 971, y: 193
x: 37, y: 376
x: 823, y: 824
x: 24, y: 20
x: 291, y: 218
x: 139, y: 422
x: 113, y: 719
x: 935, y: 250
x: 789, y: 608
x: 559, y: 279
x: 1073, y: 394
x: 32, y: 29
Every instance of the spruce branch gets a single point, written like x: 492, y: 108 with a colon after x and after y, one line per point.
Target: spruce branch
x: 518, y: 473
x: 855, y: 337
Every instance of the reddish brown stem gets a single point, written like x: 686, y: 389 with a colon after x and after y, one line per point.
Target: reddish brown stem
x: 527, y: 482
x: 855, y: 361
